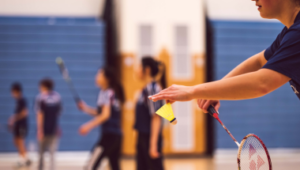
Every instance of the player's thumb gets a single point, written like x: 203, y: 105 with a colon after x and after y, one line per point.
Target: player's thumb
x: 218, y: 105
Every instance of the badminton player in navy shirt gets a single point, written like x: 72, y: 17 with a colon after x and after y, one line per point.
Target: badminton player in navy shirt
x: 18, y: 123
x: 258, y: 75
x: 107, y: 114
x: 148, y: 124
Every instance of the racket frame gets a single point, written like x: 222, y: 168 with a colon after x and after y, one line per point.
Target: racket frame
x: 65, y: 74
x: 261, y: 142
x: 211, y: 110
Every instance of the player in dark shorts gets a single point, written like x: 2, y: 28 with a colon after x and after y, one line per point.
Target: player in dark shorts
x: 18, y: 123
x: 48, y: 108
x: 148, y: 124
x: 258, y: 75
x: 108, y: 115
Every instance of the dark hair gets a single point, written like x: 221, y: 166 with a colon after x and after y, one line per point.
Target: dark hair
x: 156, y: 68
x: 114, y: 82
x: 17, y: 87
x: 48, y: 83
x: 297, y: 2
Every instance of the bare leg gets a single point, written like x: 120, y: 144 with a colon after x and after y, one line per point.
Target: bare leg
x: 20, y: 144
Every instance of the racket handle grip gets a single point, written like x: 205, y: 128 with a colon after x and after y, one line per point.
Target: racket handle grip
x: 211, y: 110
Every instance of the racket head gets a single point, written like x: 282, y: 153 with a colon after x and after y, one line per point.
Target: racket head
x: 62, y: 68
x: 253, y: 154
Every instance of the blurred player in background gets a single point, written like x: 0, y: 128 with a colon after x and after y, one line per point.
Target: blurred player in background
x: 258, y: 75
x: 108, y: 114
x: 48, y: 108
x: 147, y: 123
x: 19, y: 125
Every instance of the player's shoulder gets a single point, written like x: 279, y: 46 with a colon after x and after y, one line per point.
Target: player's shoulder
x: 291, y: 36
x: 56, y: 95
x: 23, y: 101
x: 108, y: 92
x: 38, y: 96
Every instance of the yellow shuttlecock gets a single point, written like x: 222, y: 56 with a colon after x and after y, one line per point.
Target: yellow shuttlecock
x: 166, y: 112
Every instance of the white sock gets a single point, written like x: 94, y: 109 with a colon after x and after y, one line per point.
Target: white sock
x: 22, y: 159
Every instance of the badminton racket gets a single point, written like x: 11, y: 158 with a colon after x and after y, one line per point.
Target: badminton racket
x: 252, y: 153
x: 65, y: 74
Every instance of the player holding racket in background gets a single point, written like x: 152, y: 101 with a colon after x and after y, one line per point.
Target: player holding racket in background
x: 147, y: 123
x: 107, y: 114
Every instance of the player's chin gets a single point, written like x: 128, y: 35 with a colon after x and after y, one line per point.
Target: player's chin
x: 266, y: 15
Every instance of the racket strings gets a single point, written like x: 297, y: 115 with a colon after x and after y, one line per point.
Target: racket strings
x: 253, y: 155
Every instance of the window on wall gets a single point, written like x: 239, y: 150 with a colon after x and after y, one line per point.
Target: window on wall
x: 182, y: 66
x: 183, y: 133
x: 145, y: 40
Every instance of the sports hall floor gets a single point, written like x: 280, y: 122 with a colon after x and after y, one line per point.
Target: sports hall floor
x: 223, y: 160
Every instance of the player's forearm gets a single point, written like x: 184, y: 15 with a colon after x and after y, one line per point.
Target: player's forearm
x: 155, y: 129
x: 23, y: 114
x: 252, y: 64
x: 90, y: 110
x: 246, y: 86
x: 101, y: 118
x: 97, y: 121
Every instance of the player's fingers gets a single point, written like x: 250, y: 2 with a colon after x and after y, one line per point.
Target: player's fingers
x: 161, y: 93
x: 162, y: 96
x: 198, y: 103
x: 202, y: 102
x: 206, y: 105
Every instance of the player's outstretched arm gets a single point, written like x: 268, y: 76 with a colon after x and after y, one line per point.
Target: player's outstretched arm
x: 86, y: 109
x: 245, y: 86
x: 252, y: 64
x: 99, y: 119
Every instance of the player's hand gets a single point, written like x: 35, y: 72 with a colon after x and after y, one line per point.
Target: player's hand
x: 174, y: 93
x: 40, y: 135
x: 204, y: 104
x: 84, y: 129
x: 11, y: 122
x: 81, y: 105
x: 153, y: 152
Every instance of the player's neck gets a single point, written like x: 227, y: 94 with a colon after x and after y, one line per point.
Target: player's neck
x: 104, y: 87
x: 288, y: 16
x: 149, y: 79
x: 19, y: 96
x: 46, y: 92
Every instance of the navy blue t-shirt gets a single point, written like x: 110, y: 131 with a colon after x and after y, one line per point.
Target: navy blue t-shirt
x: 108, y: 98
x: 21, y: 105
x: 50, y: 106
x: 284, y: 54
x: 146, y: 108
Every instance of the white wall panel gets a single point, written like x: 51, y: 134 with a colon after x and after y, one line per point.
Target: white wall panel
x: 84, y: 8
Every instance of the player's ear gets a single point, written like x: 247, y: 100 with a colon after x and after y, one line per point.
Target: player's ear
x: 147, y: 71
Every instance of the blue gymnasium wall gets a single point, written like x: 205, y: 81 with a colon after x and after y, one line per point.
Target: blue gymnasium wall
x: 275, y: 118
x: 28, y: 49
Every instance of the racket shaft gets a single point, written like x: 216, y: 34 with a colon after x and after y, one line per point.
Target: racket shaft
x: 211, y: 110
x: 73, y: 91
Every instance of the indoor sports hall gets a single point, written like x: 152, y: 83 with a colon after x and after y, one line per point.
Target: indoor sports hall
x: 64, y: 46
